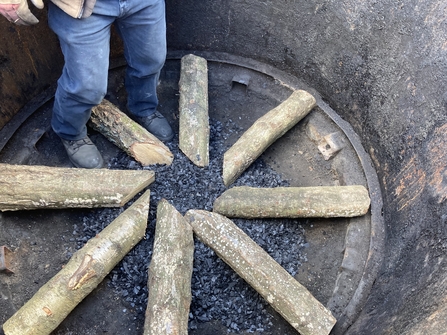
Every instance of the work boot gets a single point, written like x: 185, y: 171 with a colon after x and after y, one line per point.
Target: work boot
x: 157, y: 125
x: 83, y: 153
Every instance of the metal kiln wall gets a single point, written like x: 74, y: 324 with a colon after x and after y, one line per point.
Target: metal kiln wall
x: 379, y: 64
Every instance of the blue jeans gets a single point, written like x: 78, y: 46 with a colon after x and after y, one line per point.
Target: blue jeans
x: 85, y: 44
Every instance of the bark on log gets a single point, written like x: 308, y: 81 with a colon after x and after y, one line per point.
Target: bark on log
x: 293, y: 202
x: 25, y: 187
x: 170, y: 274
x: 288, y: 297
x: 128, y: 135
x: 194, y: 130
x: 85, y: 270
x: 266, y: 130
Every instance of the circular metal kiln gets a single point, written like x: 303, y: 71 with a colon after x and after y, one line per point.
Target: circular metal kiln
x: 343, y: 254
x: 380, y: 65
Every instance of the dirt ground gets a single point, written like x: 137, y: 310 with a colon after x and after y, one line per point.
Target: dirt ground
x: 42, y: 241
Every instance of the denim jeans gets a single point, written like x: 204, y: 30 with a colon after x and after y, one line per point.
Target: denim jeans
x: 85, y: 44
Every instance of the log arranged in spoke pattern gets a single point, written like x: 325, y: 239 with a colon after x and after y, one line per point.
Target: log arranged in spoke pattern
x: 288, y: 297
x: 85, y: 270
x: 128, y: 135
x: 24, y: 187
x: 266, y: 130
x: 293, y: 202
x: 194, y: 129
x: 170, y: 273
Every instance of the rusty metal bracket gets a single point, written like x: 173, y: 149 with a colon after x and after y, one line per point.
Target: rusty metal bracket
x: 331, y: 144
x: 4, y: 259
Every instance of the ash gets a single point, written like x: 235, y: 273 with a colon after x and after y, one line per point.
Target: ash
x: 218, y: 293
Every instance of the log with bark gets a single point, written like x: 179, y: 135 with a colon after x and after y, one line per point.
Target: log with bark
x: 266, y: 130
x: 285, y: 294
x: 170, y: 273
x: 293, y: 202
x: 24, y: 187
x: 128, y: 135
x: 194, y: 129
x: 83, y: 273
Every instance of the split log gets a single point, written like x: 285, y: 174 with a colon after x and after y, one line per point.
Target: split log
x: 293, y: 202
x: 266, y: 130
x: 83, y: 273
x: 194, y: 129
x: 129, y: 136
x: 170, y: 273
x: 286, y: 295
x: 25, y: 187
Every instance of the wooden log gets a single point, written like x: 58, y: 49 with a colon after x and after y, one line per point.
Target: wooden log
x: 286, y: 295
x: 128, y: 135
x: 170, y: 274
x: 85, y: 270
x: 266, y: 130
x: 25, y: 187
x: 293, y: 202
x: 194, y: 129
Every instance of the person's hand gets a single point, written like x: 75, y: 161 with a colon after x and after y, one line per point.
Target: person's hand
x: 17, y: 11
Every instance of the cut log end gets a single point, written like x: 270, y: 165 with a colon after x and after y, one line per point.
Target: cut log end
x: 198, y: 158
x: 228, y: 176
x: 142, y: 185
x: 150, y: 154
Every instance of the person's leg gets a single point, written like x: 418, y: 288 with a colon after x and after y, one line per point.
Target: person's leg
x: 142, y: 26
x: 85, y: 44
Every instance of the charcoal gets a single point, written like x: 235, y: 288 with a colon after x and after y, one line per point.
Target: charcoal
x: 218, y: 294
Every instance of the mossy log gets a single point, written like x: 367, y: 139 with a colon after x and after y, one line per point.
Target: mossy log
x: 293, y: 202
x: 170, y: 273
x: 85, y: 270
x: 285, y: 294
x: 194, y: 129
x: 128, y: 135
x: 24, y: 187
x: 265, y: 131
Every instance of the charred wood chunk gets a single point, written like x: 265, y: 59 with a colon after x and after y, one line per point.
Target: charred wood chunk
x: 293, y: 202
x: 265, y: 131
x: 285, y: 294
x: 83, y: 273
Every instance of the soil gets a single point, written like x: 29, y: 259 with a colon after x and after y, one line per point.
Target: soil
x: 42, y: 241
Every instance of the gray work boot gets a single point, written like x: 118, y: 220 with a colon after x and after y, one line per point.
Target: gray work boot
x: 83, y: 153
x: 157, y: 125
